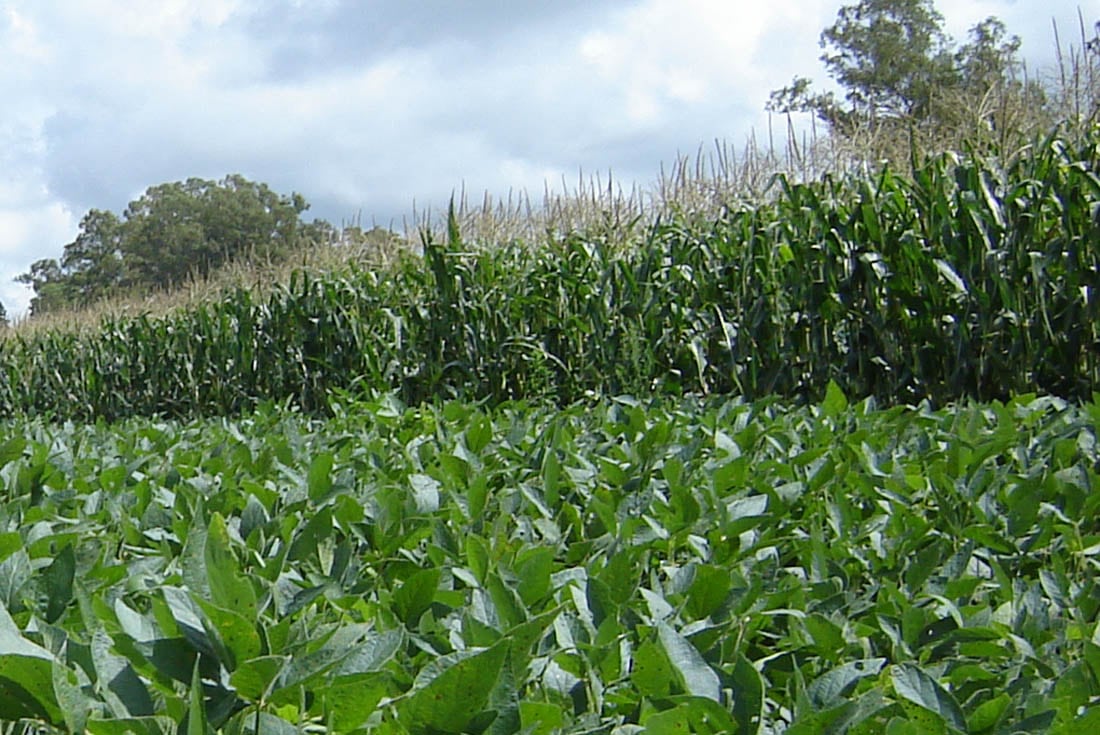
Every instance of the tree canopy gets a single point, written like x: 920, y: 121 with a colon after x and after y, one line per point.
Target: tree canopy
x: 172, y: 232
x: 895, y: 62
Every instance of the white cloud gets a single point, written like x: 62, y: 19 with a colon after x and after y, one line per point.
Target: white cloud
x: 26, y: 235
x: 366, y: 107
x: 22, y: 39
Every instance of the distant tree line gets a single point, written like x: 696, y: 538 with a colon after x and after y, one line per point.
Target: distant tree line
x: 906, y: 86
x: 173, y: 232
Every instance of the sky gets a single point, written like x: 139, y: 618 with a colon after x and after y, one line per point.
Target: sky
x: 370, y: 107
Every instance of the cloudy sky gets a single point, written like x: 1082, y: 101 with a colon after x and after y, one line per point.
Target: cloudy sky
x: 365, y: 106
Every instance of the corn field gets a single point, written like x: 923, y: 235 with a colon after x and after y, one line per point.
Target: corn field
x: 974, y: 277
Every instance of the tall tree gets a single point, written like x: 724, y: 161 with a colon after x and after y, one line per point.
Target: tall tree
x: 990, y: 58
x: 889, y: 55
x: 895, y: 63
x: 195, y: 226
x: 50, y: 286
x: 92, y: 263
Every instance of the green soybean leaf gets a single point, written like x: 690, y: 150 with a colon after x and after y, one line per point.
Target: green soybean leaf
x: 698, y: 715
x: 352, y: 699
x: 534, y: 567
x: 820, y: 722
x: 857, y: 715
x: 254, y: 679
x: 695, y: 676
x: 425, y: 492
x: 172, y: 657
x: 15, y: 572
x: 196, y: 711
x: 478, y: 433
x: 1037, y: 724
x: 349, y: 650
x: 897, y: 726
x: 26, y: 689
x: 10, y: 542
x: 914, y: 685
x: 74, y: 703
x: 748, y: 697
x: 525, y: 635
x: 540, y: 718
x: 829, y: 689
x: 319, y: 478
x: 193, y: 560
x: 12, y: 450
x: 229, y: 588
x: 253, y: 516
x: 708, y: 591
x: 988, y: 714
x: 188, y: 619
x: 316, y: 529
x: 477, y: 556
x: 835, y: 402
x: 26, y: 676
x: 132, y: 726
x: 244, y: 723
x: 121, y: 686
x: 1075, y: 686
x: 235, y: 631
x: 372, y: 653
x: 416, y: 595
x: 652, y: 673
x: 451, y: 692
x: 1087, y: 721
x: 57, y: 581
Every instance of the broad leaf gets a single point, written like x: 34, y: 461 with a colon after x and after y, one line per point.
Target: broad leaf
x: 914, y: 685
x: 451, y: 693
x: 121, y: 686
x: 415, y: 595
x: 319, y: 478
x: 697, y: 715
x: 229, y: 588
x: 196, y: 709
x: 652, y: 673
x: 829, y: 689
x: 26, y: 676
x: 748, y: 697
x: 57, y: 583
x: 695, y: 676
x: 835, y: 402
x: 254, y: 679
x: 11, y: 450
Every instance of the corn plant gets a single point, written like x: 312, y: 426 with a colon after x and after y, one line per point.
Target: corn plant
x: 975, y: 277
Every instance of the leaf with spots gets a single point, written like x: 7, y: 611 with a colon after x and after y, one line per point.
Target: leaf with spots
x: 229, y: 588
x: 914, y: 686
x: 452, y: 691
x: 691, y: 716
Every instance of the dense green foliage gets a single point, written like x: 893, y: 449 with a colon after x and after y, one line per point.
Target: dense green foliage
x: 607, y: 482
x: 907, y: 84
x: 712, y: 566
x: 977, y: 278
x: 172, y: 232
x: 894, y: 61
